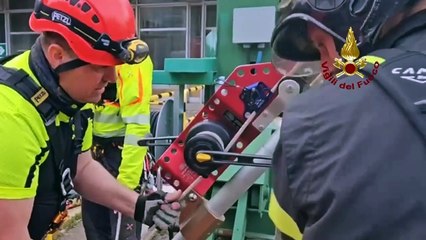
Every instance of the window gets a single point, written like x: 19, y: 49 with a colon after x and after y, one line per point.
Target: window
x: 3, y: 46
x: 2, y: 29
x: 21, y: 43
x: 211, y: 43
x: 163, y: 24
x: 211, y: 32
x: 162, y: 17
x: 21, y: 36
x: 164, y: 44
x: 19, y: 22
x: 164, y: 29
x: 195, y: 40
x: 209, y: 38
x: 211, y: 16
x: 178, y: 28
x: 21, y: 4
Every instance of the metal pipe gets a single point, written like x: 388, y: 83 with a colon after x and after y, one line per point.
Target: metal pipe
x: 225, y: 198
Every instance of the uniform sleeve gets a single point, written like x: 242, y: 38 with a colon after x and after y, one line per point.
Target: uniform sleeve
x: 292, y: 161
x: 21, y: 154
x: 134, y: 91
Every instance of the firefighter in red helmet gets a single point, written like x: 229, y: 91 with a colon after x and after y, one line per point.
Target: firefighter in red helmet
x: 46, y: 121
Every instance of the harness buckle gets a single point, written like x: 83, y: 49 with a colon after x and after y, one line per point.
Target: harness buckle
x: 97, y: 152
x: 57, y: 221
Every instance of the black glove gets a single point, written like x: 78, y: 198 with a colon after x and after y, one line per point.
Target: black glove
x: 164, y: 217
x: 164, y: 213
x: 141, y: 203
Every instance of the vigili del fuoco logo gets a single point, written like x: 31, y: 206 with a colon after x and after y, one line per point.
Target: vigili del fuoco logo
x: 349, y: 65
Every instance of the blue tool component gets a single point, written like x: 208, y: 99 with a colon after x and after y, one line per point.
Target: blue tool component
x: 254, y: 97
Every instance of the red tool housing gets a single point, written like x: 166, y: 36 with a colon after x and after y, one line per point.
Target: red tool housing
x: 226, y: 100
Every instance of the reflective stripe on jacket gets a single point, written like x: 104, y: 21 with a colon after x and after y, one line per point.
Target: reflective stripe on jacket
x: 129, y: 117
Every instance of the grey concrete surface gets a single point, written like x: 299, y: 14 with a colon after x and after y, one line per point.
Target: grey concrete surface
x: 76, y: 233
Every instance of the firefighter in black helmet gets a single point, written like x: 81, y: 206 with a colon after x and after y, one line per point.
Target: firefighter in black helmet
x: 351, y: 160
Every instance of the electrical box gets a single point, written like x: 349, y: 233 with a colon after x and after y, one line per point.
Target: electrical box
x: 253, y: 25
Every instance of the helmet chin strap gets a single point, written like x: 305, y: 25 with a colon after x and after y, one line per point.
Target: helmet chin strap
x: 73, y: 64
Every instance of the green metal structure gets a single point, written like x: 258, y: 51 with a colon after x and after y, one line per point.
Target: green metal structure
x: 184, y: 71
x: 248, y: 219
x: 230, y: 55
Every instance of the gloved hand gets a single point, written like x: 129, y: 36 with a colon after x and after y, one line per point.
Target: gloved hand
x: 165, y: 214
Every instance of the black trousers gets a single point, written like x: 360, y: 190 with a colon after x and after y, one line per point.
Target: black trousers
x: 99, y: 222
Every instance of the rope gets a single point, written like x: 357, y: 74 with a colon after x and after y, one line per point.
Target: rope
x: 118, y: 228
x: 154, y: 122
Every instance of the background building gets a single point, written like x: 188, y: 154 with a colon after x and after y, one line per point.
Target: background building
x: 172, y: 28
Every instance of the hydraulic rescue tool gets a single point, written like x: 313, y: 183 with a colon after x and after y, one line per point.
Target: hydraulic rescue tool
x: 246, y: 103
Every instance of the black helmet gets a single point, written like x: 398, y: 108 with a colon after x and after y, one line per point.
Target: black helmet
x: 366, y: 17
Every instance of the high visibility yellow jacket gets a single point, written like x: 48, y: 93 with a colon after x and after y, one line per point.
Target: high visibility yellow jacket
x: 32, y: 163
x: 129, y: 117
x: 24, y: 139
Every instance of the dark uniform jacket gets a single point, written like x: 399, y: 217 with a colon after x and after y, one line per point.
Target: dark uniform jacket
x: 349, y: 165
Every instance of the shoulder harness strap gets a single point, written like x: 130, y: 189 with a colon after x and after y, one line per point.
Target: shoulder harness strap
x: 403, y: 77
x: 21, y: 82
x: 65, y: 150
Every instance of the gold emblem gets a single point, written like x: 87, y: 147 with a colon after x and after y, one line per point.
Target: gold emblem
x: 40, y: 96
x: 350, y: 53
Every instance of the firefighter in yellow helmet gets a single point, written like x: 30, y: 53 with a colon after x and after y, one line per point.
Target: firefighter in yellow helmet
x: 120, y: 120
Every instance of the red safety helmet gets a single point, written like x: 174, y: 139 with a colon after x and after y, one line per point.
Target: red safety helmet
x: 100, y: 32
